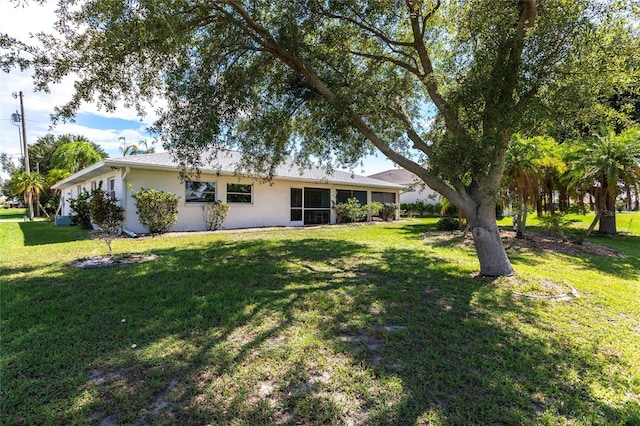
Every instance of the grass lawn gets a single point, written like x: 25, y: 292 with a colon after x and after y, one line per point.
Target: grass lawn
x: 328, y: 325
x: 12, y: 214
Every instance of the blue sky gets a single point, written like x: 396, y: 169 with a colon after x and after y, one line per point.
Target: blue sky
x: 105, y: 129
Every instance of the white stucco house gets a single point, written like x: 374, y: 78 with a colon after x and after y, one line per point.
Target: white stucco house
x: 294, y: 197
x: 414, y: 188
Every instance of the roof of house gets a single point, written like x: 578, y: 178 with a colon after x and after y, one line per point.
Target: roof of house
x: 397, y: 176
x: 225, y: 163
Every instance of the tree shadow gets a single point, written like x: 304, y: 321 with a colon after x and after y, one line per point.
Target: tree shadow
x: 43, y: 233
x: 286, y: 331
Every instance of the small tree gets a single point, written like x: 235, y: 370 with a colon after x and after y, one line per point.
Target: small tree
x: 214, y: 214
x: 80, y: 206
x: 107, y: 214
x: 157, y: 210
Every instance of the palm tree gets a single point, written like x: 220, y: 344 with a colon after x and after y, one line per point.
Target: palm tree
x: 134, y: 149
x: 521, y: 177
x: 549, y: 167
x: 606, y: 163
x: 29, y: 186
x: 76, y: 155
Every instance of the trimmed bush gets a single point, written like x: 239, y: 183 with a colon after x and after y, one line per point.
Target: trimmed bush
x: 157, y: 210
x: 448, y: 223
x: 389, y: 211
x: 351, y: 211
x: 374, y: 208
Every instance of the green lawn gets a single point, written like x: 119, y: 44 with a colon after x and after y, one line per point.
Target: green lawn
x: 11, y: 214
x: 328, y: 325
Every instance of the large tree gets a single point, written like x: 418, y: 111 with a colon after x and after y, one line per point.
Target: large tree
x: 77, y: 155
x: 41, y: 152
x: 441, y: 82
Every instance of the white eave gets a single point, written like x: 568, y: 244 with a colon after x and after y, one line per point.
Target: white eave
x: 146, y: 162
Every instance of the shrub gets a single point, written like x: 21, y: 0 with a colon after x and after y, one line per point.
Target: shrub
x: 350, y: 211
x: 107, y: 214
x: 448, y: 223
x: 157, y: 210
x: 80, y: 206
x: 374, y: 208
x: 389, y: 211
x: 555, y: 224
x: 214, y: 214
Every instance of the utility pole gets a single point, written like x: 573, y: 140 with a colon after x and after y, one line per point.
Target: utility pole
x: 27, y: 168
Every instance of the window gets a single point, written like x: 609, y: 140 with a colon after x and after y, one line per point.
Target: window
x: 111, y: 187
x: 316, y: 206
x: 296, y: 204
x: 342, y: 195
x: 78, y: 190
x: 383, y: 197
x: 316, y: 198
x: 200, y: 192
x: 239, y: 193
x: 94, y: 185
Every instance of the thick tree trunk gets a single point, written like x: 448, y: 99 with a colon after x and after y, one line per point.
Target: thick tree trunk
x: 29, y: 201
x: 608, y: 219
x: 608, y: 223
x: 486, y: 237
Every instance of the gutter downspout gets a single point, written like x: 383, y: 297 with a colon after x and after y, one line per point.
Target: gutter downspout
x: 127, y: 169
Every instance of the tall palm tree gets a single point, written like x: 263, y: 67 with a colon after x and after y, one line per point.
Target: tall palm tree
x: 607, y: 162
x: 29, y: 186
x: 521, y: 178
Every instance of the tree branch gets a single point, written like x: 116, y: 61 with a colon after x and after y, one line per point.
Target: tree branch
x: 428, y: 78
x: 382, y: 58
x: 418, y: 143
x: 371, y: 29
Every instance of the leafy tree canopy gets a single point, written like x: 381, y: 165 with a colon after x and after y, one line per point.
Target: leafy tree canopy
x: 41, y: 152
x: 443, y: 82
x: 77, y: 155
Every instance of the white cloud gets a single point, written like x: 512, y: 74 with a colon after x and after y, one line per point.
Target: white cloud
x: 21, y: 22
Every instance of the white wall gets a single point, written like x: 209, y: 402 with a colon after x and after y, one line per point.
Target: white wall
x: 427, y: 195
x: 72, y: 191
x: 271, y: 204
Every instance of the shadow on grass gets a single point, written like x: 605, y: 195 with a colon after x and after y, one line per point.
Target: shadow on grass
x: 43, y: 233
x: 285, y: 331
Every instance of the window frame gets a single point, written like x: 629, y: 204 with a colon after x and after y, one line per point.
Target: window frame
x: 240, y: 194
x: 202, y: 199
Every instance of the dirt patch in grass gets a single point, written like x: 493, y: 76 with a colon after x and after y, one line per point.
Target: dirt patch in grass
x: 105, y: 260
x: 532, y: 241
x: 536, y: 288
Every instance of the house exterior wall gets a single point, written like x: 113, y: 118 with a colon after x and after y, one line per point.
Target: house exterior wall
x: 428, y: 195
x: 71, y: 191
x: 270, y: 206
